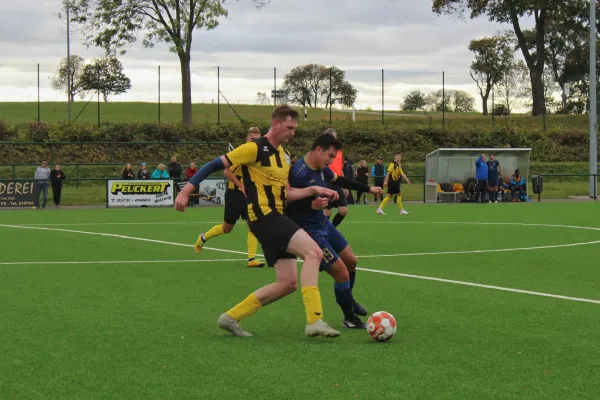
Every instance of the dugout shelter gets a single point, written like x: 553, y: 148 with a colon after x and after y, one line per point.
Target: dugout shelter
x: 447, y: 168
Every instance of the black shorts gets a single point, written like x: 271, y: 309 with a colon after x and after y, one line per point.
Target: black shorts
x: 235, y: 206
x: 340, y: 202
x: 378, y: 182
x: 394, y: 187
x: 274, y: 232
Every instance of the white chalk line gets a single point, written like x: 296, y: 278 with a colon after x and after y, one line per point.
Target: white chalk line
x: 456, y: 282
x: 120, y: 262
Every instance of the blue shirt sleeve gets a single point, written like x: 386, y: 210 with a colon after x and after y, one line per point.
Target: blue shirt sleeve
x: 328, y: 174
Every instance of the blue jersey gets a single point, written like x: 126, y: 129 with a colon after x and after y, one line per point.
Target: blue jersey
x: 301, y: 211
x: 493, y: 169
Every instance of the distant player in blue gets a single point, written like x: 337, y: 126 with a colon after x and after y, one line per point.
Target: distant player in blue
x: 481, y: 174
x: 494, y: 169
x: 339, y: 260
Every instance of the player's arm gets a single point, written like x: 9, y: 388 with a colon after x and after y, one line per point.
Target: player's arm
x: 387, y: 177
x: 500, y: 168
x: 294, y: 194
x: 348, y: 183
x: 404, y: 176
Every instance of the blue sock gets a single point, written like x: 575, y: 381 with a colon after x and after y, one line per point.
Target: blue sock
x: 352, y: 278
x: 343, y: 296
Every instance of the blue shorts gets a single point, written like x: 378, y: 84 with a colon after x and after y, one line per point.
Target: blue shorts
x: 331, y: 242
x: 493, y: 181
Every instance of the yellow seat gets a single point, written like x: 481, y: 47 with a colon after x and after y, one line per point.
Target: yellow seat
x: 458, y: 187
x: 439, y: 189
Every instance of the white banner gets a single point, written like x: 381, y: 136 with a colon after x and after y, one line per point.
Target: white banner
x: 151, y: 193
x: 213, y: 190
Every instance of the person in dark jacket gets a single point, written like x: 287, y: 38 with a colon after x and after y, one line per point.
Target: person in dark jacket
x: 175, y: 169
x: 143, y: 172
x: 348, y: 170
x: 362, y: 176
x: 481, y: 174
x: 127, y: 172
x: 379, y: 173
x: 57, y: 176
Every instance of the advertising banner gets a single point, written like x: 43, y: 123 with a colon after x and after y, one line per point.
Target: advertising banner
x: 17, y: 194
x: 136, y: 193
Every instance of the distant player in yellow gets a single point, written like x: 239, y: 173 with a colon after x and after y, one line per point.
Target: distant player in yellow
x: 265, y: 171
x: 393, y: 181
x: 235, y: 208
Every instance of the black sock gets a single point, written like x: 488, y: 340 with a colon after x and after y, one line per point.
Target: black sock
x: 352, y: 279
x: 337, y: 219
x: 343, y: 296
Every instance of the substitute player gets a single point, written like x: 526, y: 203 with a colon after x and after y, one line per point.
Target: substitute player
x: 265, y: 168
x: 339, y: 260
x: 235, y: 208
x: 494, y: 168
x: 393, y: 182
x: 341, y: 203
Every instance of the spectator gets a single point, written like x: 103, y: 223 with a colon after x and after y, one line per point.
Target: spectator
x: 481, y: 173
x: 57, y: 176
x: 362, y: 176
x: 160, y: 172
x: 127, y: 172
x: 174, y: 169
x: 293, y: 159
x: 379, y: 172
x: 191, y: 171
x: 517, y: 184
x: 42, y: 174
x: 348, y: 170
x: 143, y: 172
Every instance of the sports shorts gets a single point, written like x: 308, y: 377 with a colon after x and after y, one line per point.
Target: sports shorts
x: 493, y: 181
x: 341, y: 201
x: 235, y: 206
x: 394, y: 187
x: 331, y: 242
x: 274, y: 232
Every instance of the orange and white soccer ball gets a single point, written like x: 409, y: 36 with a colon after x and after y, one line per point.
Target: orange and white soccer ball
x: 381, y: 326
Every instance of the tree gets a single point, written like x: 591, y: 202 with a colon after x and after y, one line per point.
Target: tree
x: 262, y: 99
x: 461, y: 101
x: 512, y: 12
x: 414, y: 101
x: 114, y: 25
x: 106, y: 75
x: 60, y: 81
x: 493, y: 57
x: 436, y: 101
x: 308, y: 85
x: 514, y: 88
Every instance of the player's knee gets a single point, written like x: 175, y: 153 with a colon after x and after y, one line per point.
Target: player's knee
x: 227, y: 228
x: 343, y: 210
x: 313, y: 253
x: 351, y: 262
x: 289, y: 285
x: 340, y: 275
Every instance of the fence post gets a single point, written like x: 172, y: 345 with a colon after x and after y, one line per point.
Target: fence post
x: 159, y: 94
x: 14, y: 168
x: 98, y: 96
x: 218, y: 95
x: 275, y: 86
x: 443, y: 99
x: 77, y: 176
x: 424, y: 189
x: 382, y: 99
x: 38, y: 93
x: 330, y: 95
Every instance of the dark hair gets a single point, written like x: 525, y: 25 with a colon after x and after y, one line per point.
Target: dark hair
x: 282, y: 112
x: 326, y: 141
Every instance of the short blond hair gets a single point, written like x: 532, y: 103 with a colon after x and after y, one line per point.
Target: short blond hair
x: 253, y: 129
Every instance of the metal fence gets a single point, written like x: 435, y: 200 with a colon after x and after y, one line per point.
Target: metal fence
x: 538, y: 188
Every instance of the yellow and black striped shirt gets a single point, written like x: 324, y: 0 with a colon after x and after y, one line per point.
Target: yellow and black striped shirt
x: 395, y: 171
x: 265, y: 173
x: 237, y: 171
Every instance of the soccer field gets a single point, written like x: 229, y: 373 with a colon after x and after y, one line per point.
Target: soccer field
x: 492, y: 302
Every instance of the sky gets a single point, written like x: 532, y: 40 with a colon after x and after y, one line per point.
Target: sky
x: 403, y: 37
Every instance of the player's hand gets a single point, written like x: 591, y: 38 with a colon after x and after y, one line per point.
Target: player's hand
x: 345, y: 192
x: 181, y: 201
x: 321, y: 191
x: 408, y: 181
x: 376, y: 190
x: 385, y: 184
x: 320, y: 203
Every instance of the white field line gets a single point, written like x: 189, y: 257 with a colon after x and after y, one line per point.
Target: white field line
x: 119, y: 262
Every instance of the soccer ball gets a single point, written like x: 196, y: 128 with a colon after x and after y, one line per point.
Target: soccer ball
x: 381, y: 326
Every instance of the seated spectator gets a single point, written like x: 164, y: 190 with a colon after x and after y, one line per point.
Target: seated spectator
x: 160, y: 172
x: 143, y: 172
x: 127, y: 172
x: 191, y: 170
x: 517, y: 184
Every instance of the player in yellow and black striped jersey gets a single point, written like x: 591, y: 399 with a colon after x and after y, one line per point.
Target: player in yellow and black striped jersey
x: 393, y: 181
x: 265, y: 168
x: 235, y: 208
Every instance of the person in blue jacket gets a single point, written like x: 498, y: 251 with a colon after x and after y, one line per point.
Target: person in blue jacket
x: 160, y: 172
x: 481, y: 174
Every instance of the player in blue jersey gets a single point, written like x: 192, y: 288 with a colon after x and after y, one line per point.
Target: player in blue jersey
x: 338, y: 258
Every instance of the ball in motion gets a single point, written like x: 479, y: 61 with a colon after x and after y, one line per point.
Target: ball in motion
x: 381, y: 326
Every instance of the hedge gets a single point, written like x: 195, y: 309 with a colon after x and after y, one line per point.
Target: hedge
x: 361, y: 141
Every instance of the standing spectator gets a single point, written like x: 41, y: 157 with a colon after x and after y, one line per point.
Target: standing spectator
x: 143, y: 172
x: 348, y: 170
x: 362, y: 176
x: 174, y: 169
x: 481, y: 174
x: 517, y: 184
x: 190, y: 171
x: 160, y: 172
x: 127, y: 172
x: 42, y: 174
x: 57, y: 176
x: 379, y: 173
x: 494, y: 168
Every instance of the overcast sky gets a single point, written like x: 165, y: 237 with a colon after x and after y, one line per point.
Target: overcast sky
x: 403, y: 37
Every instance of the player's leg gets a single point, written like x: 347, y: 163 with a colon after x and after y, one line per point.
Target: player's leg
x: 252, y: 247
x: 341, y: 214
x: 343, y: 294
x: 213, y: 232
x: 230, y: 217
x: 387, y: 198
x: 400, y: 205
x: 351, y: 262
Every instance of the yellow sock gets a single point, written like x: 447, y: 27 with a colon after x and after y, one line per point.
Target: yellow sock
x: 312, y: 303
x: 215, y: 231
x: 384, y: 202
x: 246, y: 308
x: 400, y: 207
x: 252, y: 245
